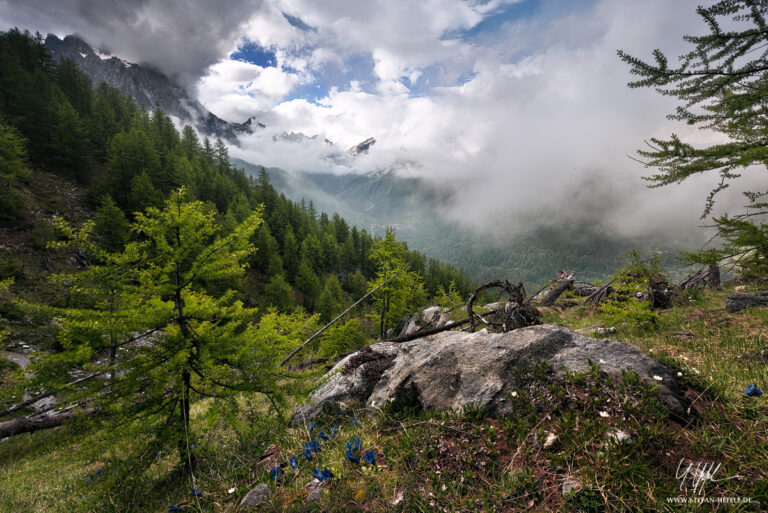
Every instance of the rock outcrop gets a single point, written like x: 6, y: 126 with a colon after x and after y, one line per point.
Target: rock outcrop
x: 451, y: 370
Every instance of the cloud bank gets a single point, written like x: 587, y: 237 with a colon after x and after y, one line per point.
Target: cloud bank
x: 521, y: 106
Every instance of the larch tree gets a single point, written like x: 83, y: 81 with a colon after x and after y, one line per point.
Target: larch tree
x: 157, y: 339
x: 403, y: 293
x: 722, y: 86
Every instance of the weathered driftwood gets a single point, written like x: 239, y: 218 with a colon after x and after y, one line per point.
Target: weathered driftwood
x: 742, y: 300
x: 707, y: 276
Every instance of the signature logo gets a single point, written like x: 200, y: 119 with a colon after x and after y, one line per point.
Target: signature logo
x: 695, y: 475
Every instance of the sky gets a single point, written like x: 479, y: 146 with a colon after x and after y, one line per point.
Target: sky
x: 520, y: 106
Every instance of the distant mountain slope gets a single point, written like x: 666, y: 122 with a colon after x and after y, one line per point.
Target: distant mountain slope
x: 413, y: 207
x: 146, y: 85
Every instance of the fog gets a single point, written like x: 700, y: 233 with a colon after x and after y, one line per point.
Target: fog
x: 526, y: 118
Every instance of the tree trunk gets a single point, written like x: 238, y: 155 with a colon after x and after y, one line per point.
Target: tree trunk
x: 34, y: 423
x: 556, y: 292
x: 714, y: 276
x: 738, y: 302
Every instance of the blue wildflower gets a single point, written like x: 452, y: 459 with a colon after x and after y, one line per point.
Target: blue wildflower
x: 313, y: 446
x: 322, y: 475
x: 311, y: 427
x: 99, y: 472
x: 370, y: 457
x: 351, y: 449
x: 334, y: 431
x: 323, y: 436
x: 195, y: 493
x: 307, y: 453
x: 173, y: 508
x: 194, y: 445
x: 275, y: 472
x: 342, y: 414
x: 753, y: 391
x: 293, y: 463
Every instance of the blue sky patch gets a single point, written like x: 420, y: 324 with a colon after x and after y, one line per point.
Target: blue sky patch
x: 254, y: 53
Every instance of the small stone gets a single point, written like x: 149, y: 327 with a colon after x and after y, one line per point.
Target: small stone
x: 256, y: 496
x: 571, y: 485
x: 550, y: 441
x: 316, y: 494
x: 619, y: 436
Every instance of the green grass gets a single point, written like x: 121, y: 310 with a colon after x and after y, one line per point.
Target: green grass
x: 467, y: 461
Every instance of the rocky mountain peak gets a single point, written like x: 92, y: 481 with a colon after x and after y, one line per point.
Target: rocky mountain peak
x: 362, y: 147
x: 147, y: 86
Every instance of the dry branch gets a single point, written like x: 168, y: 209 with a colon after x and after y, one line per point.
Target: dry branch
x: 318, y: 333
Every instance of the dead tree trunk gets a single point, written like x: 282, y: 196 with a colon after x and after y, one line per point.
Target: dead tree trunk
x: 738, y: 302
x: 563, y: 284
x: 517, y: 312
x: 709, y: 276
x: 714, y: 276
x: 34, y: 423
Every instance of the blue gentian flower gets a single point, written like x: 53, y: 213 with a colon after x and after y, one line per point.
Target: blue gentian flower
x: 322, y: 475
x: 275, y: 472
x: 370, y: 457
x: 351, y: 449
x: 323, y: 436
x: 293, y: 463
x: 311, y: 427
x: 753, y: 391
x: 195, y: 493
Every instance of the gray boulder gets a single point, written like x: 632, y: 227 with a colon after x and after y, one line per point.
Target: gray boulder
x: 451, y: 370
x: 259, y: 494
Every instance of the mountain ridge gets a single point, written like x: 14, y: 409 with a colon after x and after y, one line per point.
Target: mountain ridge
x: 147, y: 85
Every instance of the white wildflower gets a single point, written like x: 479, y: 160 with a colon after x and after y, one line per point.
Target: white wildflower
x: 603, y: 414
x: 658, y: 378
x: 514, y: 394
x: 679, y: 374
x: 602, y: 362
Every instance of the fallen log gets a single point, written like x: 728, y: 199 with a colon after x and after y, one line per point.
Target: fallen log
x: 433, y: 331
x: 742, y: 300
x: 38, y: 397
x: 34, y: 423
x: 561, y: 286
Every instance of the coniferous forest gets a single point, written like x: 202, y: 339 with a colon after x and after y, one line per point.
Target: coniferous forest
x: 176, y: 334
